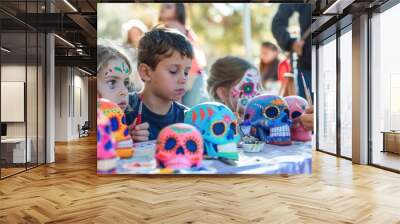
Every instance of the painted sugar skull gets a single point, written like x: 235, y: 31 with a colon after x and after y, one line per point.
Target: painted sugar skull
x: 179, y: 146
x: 218, y: 126
x: 119, y: 127
x: 269, y: 119
x: 297, y: 106
x: 247, y: 88
x: 106, y: 155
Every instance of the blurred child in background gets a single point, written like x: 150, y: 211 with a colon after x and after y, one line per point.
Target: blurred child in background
x: 132, y: 31
x: 272, y: 68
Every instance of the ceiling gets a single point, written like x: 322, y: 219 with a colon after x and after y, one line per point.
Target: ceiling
x: 74, y: 22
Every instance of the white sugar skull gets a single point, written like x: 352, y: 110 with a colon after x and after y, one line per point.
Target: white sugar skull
x: 297, y: 106
x: 179, y: 146
x: 247, y: 88
x: 218, y: 126
x: 269, y: 119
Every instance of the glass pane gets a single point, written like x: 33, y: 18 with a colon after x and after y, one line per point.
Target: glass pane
x: 385, y: 89
x: 346, y: 94
x: 31, y: 100
x: 13, y: 85
x: 327, y: 97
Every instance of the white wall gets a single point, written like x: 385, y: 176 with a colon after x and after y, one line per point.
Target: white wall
x: 70, y: 83
x: 80, y: 100
x: 15, y: 73
x: 61, y: 103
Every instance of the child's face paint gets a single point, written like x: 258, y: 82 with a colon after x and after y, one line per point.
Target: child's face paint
x: 113, y: 83
x: 247, y: 88
x: 117, y: 67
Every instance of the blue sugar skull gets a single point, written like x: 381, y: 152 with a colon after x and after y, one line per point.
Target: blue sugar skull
x: 218, y: 126
x: 269, y: 119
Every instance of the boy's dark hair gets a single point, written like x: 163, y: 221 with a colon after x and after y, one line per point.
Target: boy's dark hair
x: 160, y: 43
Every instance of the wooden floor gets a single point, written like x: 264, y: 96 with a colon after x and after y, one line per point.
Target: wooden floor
x: 10, y: 171
x: 69, y: 191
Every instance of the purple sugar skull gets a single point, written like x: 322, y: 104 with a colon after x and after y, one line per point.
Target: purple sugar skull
x: 269, y: 118
x: 297, y: 106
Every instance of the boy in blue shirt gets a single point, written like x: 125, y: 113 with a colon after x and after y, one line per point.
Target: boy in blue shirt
x: 164, y: 60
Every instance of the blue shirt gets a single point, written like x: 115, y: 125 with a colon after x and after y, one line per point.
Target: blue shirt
x: 176, y: 114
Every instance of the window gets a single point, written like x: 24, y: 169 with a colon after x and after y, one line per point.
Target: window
x: 385, y: 87
x: 327, y: 96
x: 23, y: 76
x: 346, y: 94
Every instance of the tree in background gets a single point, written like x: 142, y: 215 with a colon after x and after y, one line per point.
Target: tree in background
x: 219, y: 26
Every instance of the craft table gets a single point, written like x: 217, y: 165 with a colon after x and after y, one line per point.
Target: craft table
x: 293, y: 159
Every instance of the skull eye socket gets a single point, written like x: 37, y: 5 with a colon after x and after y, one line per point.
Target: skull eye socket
x: 170, y: 143
x: 271, y: 112
x: 234, y: 128
x: 218, y: 128
x: 296, y: 114
x: 191, y: 146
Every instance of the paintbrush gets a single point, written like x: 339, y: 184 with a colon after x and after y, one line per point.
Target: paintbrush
x: 138, y: 119
x: 306, y: 90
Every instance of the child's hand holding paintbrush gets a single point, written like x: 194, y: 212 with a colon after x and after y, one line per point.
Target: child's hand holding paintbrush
x: 139, y: 131
x: 308, y: 117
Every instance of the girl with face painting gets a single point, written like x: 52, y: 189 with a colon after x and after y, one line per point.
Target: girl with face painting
x: 233, y: 82
x: 113, y: 71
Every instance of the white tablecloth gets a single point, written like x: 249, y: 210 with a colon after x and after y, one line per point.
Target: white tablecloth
x: 292, y: 159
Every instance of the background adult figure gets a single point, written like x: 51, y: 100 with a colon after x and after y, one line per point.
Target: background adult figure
x: 302, y: 46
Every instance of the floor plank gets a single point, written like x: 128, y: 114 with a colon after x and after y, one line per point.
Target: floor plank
x: 70, y: 191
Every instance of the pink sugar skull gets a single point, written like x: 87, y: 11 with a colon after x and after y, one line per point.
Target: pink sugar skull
x: 297, y: 106
x: 106, y: 155
x: 179, y: 146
